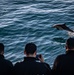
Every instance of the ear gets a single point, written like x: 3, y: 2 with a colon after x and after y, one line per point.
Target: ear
x: 24, y: 52
x: 35, y: 53
x: 66, y: 48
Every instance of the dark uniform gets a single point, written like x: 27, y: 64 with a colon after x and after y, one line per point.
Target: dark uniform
x: 31, y: 66
x: 6, y: 66
x: 64, y: 64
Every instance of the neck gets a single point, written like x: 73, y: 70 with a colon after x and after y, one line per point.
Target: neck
x: 69, y: 49
x: 30, y: 55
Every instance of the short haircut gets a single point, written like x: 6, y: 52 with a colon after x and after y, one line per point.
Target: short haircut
x: 1, y: 47
x: 70, y: 43
x: 30, y: 48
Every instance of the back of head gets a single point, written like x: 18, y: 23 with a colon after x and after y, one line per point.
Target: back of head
x: 1, y: 47
x: 30, y: 48
x: 70, y: 43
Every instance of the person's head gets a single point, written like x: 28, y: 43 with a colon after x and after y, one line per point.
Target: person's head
x: 1, y: 48
x: 70, y: 44
x: 30, y: 50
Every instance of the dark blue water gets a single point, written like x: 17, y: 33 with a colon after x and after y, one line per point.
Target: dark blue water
x: 23, y: 21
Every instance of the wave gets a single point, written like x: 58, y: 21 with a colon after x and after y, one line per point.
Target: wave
x: 21, y: 23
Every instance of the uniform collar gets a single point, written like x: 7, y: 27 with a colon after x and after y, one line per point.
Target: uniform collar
x: 70, y: 51
x: 29, y: 59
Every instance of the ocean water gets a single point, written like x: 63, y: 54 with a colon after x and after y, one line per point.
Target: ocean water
x: 24, y: 21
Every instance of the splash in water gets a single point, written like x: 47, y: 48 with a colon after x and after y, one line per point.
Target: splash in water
x: 71, y: 34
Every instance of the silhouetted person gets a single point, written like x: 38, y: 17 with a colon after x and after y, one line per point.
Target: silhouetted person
x: 30, y: 65
x: 5, y: 65
x: 64, y: 63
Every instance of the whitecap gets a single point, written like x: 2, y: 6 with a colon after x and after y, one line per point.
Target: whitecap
x: 71, y: 34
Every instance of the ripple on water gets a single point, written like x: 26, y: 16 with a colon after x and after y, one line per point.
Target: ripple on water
x: 31, y: 21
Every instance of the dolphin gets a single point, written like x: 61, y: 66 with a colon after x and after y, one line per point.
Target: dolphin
x: 62, y: 27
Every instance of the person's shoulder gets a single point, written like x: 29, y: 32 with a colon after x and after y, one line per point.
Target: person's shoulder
x: 8, y: 62
x: 43, y: 63
x: 18, y: 63
x: 46, y: 65
x: 61, y: 55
